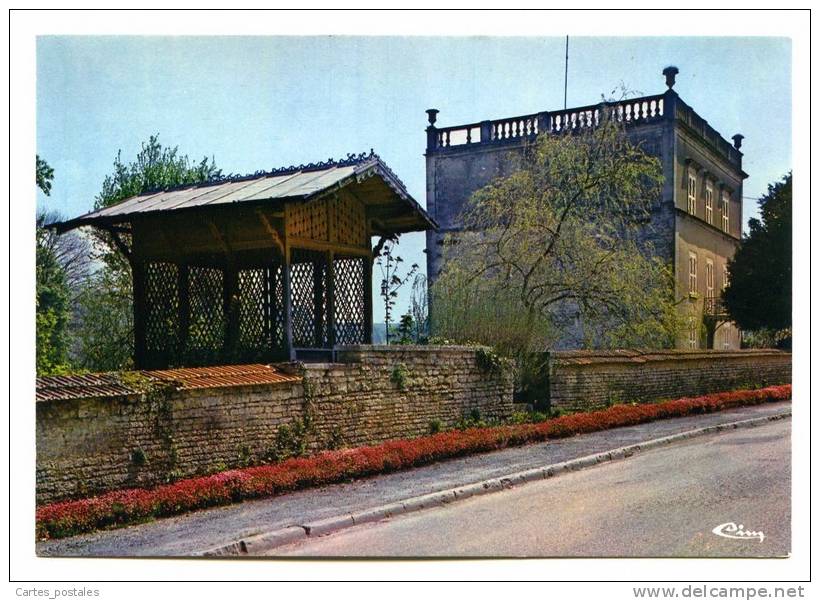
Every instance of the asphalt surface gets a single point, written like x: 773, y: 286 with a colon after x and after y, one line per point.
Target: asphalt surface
x: 202, y: 530
x: 663, y: 502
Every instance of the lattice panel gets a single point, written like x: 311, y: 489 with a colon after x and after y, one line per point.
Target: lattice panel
x: 349, y: 306
x: 161, y: 311
x: 308, y: 220
x: 207, y: 324
x: 308, y: 275
x: 253, y: 331
x: 350, y: 222
x: 260, y: 313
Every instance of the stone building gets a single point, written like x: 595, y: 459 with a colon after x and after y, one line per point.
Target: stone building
x: 695, y: 226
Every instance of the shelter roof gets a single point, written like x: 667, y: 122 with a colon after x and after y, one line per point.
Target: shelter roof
x: 367, y: 175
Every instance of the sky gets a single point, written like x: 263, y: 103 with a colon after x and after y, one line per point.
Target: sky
x: 257, y: 103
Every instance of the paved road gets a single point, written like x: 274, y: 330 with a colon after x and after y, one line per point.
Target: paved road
x: 663, y: 502
x: 196, y: 532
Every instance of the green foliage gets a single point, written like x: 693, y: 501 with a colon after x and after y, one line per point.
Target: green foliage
x: 52, y: 308
x: 529, y: 417
x: 106, y: 330
x: 759, y: 294
x: 245, y: 456
x: 52, y: 296
x: 473, y: 419
x: 489, y: 361
x: 138, y: 457
x: 336, y: 438
x: 45, y: 176
x: 435, y: 426
x: 406, y: 329
x: 557, y: 247
x: 399, y: 376
x: 291, y: 441
x: 419, y: 309
x: 154, y: 168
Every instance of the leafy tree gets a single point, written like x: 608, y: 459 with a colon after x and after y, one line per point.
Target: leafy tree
x: 63, y: 266
x: 106, y: 332
x: 390, y: 265
x: 556, y: 248
x: 759, y: 294
x: 51, y: 295
x: 406, y: 329
x: 52, y: 310
x: 45, y: 176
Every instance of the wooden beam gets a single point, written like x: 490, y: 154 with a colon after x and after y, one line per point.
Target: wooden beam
x: 331, y: 301
x: 138, y: 283
x: 184, y: 310
x: 274, y: 233
x: 119, y: 242
x: 345, y: 249
x: 218, y: 235
x: 288, y: 303
x: 368, y: 299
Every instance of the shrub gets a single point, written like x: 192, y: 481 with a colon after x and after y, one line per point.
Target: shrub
x: 122, y: 507
x: 399, y: 376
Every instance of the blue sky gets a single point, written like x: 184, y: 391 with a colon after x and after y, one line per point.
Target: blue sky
x: 261, y: 102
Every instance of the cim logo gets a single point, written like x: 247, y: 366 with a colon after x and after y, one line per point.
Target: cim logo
x: 738, y: 532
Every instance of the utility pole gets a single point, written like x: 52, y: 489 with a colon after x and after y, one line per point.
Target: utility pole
x: 566, y: 71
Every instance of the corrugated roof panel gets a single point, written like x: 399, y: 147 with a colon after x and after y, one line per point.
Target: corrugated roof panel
x: 326, y: 179
x: 140, y: 204
x: 291, y: 183
x: 118, y: 208
x: 296, y: 186
x: 232, y: 191
x: 257, y: 190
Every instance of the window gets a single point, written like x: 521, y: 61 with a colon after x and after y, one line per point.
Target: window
x: 693, y: 273
x: 691, y: 195
x: 724, y: 211
x: 725, y: 276
x: 693, y: 334
x: 726, y: 338
x: 710, y: 279
x: 709, y: 196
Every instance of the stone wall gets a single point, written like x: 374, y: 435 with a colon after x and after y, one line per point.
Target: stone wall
x: 589, y: 379
x: 115, y: 439
x: 372, y: 394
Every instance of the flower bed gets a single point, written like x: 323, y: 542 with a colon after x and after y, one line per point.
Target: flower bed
x: 135, y: 505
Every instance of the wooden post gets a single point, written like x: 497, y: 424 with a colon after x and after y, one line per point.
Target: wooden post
x: 368, y: 296
x: 331, y: 301
x: 319, y: 303
x: 184, y: 319
x: 288, y: 303
x: 138, y: 278
x: 229, y: 310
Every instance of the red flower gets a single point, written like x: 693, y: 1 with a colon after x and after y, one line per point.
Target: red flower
x: 129, y: 506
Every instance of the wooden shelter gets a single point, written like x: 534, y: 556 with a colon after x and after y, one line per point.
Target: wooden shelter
x: 259, y: 268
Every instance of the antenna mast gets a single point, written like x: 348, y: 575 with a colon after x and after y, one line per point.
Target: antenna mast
x: 566, y: 71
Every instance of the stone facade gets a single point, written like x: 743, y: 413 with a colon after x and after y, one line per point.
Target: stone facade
x: 462, y: 159
x: 590, y: 379
x: 94, y: 444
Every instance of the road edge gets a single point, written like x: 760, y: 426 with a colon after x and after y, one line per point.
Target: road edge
x: 266, y: 541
